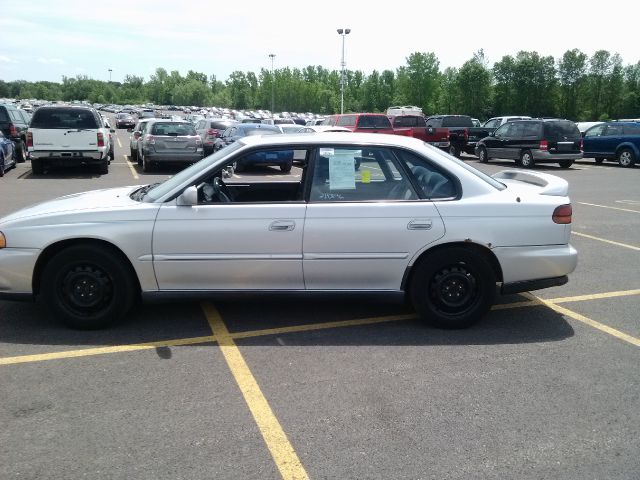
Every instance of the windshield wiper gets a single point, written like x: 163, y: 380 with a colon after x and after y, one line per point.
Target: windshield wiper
x: 139, y: 194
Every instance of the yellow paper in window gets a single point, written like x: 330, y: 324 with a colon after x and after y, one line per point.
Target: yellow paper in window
x: 366, y: 176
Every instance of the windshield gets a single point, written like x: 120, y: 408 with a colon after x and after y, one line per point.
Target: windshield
x: 167, y: 186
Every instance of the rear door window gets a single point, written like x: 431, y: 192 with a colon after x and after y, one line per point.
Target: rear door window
x: 433, y: 182
x: 632, y: 129
x: 530, y: 129
x: 346, y: 121
x: 613, y: 130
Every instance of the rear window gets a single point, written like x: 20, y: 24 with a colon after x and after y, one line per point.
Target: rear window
x: 346, y: 121
x: 173, y: 129
x: 454, y: 121
x: 63, y: 118
x: 373, y: 121
x: 561, y: 128
x: 410, y: 121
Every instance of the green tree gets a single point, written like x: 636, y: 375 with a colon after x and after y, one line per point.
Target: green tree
x: 572, y: 71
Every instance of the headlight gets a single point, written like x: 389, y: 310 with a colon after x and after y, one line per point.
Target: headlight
x: 3, y: 240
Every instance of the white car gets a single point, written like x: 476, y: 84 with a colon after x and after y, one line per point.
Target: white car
x: 412, y: 219
x: 322, y: 128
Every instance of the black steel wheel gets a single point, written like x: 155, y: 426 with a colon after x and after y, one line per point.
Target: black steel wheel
x: 87, y: 287
x: 453, y: 288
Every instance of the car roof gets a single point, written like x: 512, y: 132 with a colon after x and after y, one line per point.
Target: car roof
x: 330, y: 138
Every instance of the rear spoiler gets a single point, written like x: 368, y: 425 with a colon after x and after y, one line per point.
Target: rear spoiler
x: 550, y: 184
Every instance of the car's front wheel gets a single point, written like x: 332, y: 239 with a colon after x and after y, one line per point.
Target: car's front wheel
x: 599, y: 160
x: 36, y: 166
x: 626, y: 158
x: 483, y: 157
x: 453, y: 288
x: 87, y: 287
x: 285, y: 167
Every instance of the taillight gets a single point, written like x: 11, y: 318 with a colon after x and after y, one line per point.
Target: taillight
x: 581, y: 144
x: 213, y: 133
x: 150, y: 139
x: 544, y: 145
x: 100, y: 139
x: 562, y: 214
x: 13, y: 131
x: 466, y: 134
x: 29, y: 139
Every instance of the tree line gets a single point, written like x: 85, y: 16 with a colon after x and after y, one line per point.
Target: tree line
x: 575, y: 86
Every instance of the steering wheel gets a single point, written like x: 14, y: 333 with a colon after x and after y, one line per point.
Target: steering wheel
x: 221, y: 190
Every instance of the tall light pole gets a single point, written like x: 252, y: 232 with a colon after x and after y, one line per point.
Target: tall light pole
x: 343, y: 32
x: 273, y: 84
x: 110, y: 70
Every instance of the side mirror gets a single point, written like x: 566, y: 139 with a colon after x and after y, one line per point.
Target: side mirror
x: 189, y: 197
x: 227, y: 172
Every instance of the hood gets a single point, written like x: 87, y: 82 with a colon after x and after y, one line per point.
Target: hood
x: 106, y: 199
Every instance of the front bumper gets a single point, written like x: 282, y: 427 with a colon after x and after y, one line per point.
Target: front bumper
x: 17, y: 265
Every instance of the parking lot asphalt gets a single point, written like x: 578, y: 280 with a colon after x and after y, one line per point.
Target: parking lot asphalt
x: 547, y: 386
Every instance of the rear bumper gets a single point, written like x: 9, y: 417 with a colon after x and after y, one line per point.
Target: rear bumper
x: 534, y: 263
x: 528, y: 285
x: 545, y: 156
x: 174, y: 157
x: 70, y: 157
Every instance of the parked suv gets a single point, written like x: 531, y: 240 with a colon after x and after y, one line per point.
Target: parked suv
x: 211, y: 128
x: 68, y: 136
x: 614, y: 141
x: 14, y: 124
x: 166, y: 141
x: 533, y: 141
x: 361, y: 122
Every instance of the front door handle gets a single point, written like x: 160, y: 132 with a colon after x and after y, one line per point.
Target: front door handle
x: 282, y: 225
x: 420, y: 224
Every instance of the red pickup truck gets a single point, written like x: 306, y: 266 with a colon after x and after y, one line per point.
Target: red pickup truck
x: 416, y: 126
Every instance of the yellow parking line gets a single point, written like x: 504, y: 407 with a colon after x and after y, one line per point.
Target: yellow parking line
x: 86, y: 352
x: 274, y: 436
x: 587, y: 321
x: 130, y: 164
x: 595, y: 296
x: 632, y: 247
x: 612, y: 208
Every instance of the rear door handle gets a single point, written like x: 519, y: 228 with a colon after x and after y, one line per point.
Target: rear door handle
x: 420, y: 224
x: 282, y: 225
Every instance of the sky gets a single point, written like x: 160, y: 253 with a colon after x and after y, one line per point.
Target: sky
x: 48, y: 40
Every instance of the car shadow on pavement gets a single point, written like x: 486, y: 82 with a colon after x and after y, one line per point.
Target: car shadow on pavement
x: 29, y: 324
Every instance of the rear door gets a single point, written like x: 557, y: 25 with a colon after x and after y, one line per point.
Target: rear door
x: 594, y: 141
x: 496, y: 144
x: 363, y: 227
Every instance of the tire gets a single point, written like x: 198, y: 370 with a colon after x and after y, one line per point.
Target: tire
x: 87, y: 287
x: 111, y: 155
x: 146, y: 166
x: 483, y: 156
x: 285, y: 168
x: 626, y: 158
x: 599, y: 160
x: 36, y: 166
x: 526, y: 159
x: 454, y: 150
x: 1, y: 166
x: 565, y: 163
x: 134, y: 155
x: 21, y: 152
x: 459, y: 269
x: 103, y: 168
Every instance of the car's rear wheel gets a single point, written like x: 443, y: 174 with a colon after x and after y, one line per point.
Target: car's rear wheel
x: 1, y: 165
x: 103, y: 168
x: 285, y: 167
x: 454, y: 150
x: 87, y: 287
x: 565, y: 163
x: 483, y: 157
x: 526, y: 159
x: 134, y: 155
x: 21, y: 152
x: 599, y: 160
x: 453, y: 288
x: 146, y: 165
x: 626, y: 158
x: 36, y: 166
